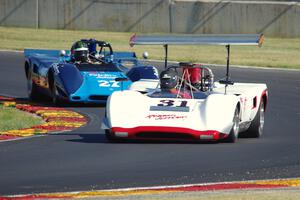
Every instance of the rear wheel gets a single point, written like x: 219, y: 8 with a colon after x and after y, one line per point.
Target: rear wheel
x: 257, y: 125
x: 234, y: 133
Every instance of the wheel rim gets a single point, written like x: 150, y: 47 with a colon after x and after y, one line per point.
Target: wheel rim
x: 261, y: 118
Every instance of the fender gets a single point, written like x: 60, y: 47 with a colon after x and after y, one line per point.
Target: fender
x: 121, y: 102
x: 32, y: 65
x: 67, y: 77
x: 219, y: 110
x: 143, y: 72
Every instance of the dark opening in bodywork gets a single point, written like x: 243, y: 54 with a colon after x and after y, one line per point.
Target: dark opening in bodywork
x: 104, y: 67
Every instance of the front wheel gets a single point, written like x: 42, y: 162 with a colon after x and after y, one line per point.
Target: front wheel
x: 54, y: 95
x: 257, y: 125
x: 234, y: 133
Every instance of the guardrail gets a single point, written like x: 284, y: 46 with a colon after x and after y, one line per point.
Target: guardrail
x: 279, y: 18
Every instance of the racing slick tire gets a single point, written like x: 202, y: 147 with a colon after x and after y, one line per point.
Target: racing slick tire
x: 109, y: 136
x: 54, y: 95
x: 256, y: 128
x: 234, y: 133
x: 32, y: 90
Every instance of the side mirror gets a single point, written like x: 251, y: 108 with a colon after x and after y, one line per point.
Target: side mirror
x: 62, y: 53
x: 145, y: 55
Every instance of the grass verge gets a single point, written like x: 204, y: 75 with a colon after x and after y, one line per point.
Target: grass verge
x: 287, y: 194
x: 239, y: 195
x: 272, y: 194
x: 13, y: 119
x: 276, y: 52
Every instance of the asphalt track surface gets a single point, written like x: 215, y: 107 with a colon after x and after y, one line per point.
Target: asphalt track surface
x: 85, y: 160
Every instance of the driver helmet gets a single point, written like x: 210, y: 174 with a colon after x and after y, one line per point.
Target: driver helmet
x: 80, y: 51
x: 168, y: 79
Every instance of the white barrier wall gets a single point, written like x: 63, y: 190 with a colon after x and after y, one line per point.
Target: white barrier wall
x: 178, y: 16
x: 272, y: 18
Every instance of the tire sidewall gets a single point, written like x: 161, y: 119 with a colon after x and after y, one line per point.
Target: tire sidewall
x: 234, y: 133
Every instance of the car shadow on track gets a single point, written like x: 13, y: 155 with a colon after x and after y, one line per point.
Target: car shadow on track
x: 48, y: 103
x: 45, y: 102
x: 101, y: 138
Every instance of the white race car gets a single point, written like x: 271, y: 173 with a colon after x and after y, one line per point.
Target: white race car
x: 211, y: 111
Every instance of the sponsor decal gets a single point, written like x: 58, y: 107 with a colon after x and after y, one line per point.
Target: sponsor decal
x: 103, y: 75
x: 165, y: 117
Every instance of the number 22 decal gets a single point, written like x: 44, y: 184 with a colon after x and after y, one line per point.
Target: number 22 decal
x: 172, y: 103
x: 103, y: 83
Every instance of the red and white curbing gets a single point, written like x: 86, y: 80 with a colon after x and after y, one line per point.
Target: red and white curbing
x: 56, y: 120
x: 223, y: 186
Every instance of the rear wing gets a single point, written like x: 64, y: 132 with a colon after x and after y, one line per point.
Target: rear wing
x: 44, y: 52
x: 203, y: 39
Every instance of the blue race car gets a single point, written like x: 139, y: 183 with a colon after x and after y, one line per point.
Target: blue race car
x: 89, y: 72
